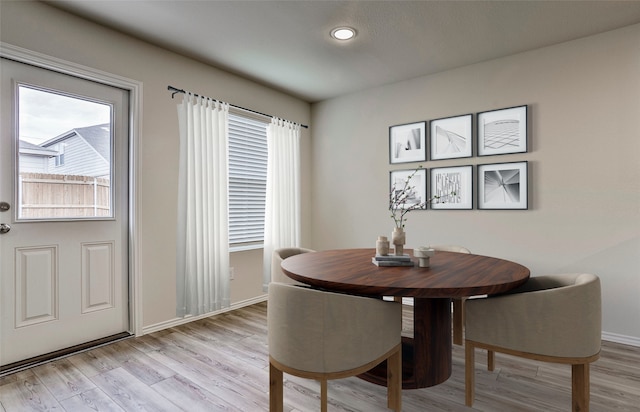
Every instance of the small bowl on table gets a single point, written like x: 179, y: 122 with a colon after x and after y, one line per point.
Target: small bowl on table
x: 423, y: 254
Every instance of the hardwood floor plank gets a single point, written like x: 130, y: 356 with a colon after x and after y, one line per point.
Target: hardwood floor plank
x: 251, y: 350
x: 93, y: 362
x: 130, y: 393
x: 221, y: 364
x: 182, y: 391
x: 137, y: 363
x: 94, y: 400
x: 194, y: 352
x: 351, y: 393
x: 63, y: 379
x: 221, y: 360
x: 215, y: 376
x: 150, y: 342
x: 27, y: 394
x: 213, y: 330
x: 303, y: 394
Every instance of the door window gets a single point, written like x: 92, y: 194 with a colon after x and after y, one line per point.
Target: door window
x: 65, y: 149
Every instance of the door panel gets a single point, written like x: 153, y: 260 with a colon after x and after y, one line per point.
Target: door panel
x: 98, y: 276
x: 64, y: 262
x: 36, y: 295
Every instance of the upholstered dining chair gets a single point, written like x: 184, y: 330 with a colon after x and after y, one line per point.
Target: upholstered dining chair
x: 555, y: 318
x: 276, y: 260
x: 458, y: 303
x: 324, y: 335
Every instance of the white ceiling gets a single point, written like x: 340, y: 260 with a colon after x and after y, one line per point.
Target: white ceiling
x: 286, y: 44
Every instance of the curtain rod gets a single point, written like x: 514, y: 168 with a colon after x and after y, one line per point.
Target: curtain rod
x: 175, y: 90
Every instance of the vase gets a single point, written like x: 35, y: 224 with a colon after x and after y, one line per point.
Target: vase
x: 382, y: 246
x: 398, y: 239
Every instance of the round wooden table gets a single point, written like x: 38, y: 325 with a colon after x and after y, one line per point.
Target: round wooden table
x: 426, y: 357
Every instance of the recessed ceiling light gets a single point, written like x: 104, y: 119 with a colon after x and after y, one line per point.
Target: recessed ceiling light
x: 343, y: 33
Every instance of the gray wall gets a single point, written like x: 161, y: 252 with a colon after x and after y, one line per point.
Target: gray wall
x: 584, y: 165
x: 41, y: 28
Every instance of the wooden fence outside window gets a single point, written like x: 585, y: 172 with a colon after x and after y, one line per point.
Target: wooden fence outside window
x: 45, y: 196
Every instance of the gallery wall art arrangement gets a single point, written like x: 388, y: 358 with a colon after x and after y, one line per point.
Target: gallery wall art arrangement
x: 500, y: 186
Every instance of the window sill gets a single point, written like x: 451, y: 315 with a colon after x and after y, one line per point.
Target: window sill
x: 242, y: 248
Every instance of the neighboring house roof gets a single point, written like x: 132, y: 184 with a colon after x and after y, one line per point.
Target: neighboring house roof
x: 33, y: 149
x: 96, y: 136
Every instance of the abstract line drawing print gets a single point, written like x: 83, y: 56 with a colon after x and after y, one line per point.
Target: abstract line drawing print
x: 410, y: 187
x: 502, y: 186
x: 407, y: 141
x: 448, y: 187
x: 449, y: 142
x: 452, y: 187
x: 502, y: 131
x: 451, y: 137
x: 502, y: 134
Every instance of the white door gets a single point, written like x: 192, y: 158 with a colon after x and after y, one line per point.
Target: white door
x: 64, y: 211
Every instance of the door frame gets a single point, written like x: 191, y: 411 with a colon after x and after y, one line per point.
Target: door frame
x: 134, y: 88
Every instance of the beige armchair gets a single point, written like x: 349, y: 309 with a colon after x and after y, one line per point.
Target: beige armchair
x: 276, y: 260
x: 324, y: 335
x: 458, y: 303
x: 553, y: 318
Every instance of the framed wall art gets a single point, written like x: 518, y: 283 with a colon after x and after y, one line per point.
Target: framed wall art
x: 408, y: 189
x: 451, y: 187
x: 502, y: 131
x: 407, y: 143
x: 503, y: 186
x: 450, y: 137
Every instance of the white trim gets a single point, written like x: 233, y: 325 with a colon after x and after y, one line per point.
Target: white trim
x: 135, y: 130
x: 623, y: 339
x: 242, y: 248
x: 181, y: 321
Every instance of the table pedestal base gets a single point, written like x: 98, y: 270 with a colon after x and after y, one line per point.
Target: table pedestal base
x: 426, y: 359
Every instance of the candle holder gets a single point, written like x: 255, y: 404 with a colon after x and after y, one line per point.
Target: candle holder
x: 424, y: 254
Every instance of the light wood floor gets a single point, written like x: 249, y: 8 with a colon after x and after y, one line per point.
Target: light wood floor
x: 220, y: 364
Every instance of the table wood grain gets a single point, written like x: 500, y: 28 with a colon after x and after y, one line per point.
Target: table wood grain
x: 450, y: 274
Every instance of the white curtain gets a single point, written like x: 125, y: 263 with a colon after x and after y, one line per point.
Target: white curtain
x: 282, y: 210
x: 203, y: 240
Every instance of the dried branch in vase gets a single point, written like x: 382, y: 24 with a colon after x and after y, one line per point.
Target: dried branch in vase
x: 402, y: 199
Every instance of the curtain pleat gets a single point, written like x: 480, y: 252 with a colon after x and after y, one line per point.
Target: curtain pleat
x: 282, y: 208
x: 202, y: 267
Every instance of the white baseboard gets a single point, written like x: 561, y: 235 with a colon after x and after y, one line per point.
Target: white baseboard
x: 180, y: 321
x: 624, y: 339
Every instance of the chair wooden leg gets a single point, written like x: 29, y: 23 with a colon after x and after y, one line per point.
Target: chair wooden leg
x: 469, y: 373
x: 491, y: 360
x: 580, y: 387
x: 276, y: 399
x: 458, y: 320
x: 323, y: 395
x: 394, y: 381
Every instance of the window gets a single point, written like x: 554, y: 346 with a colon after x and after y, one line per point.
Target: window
x: 247, y: 181
x: 60, y: 159
x: 64, y: 159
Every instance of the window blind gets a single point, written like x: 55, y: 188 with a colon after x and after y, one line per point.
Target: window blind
x: 247, y: 180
